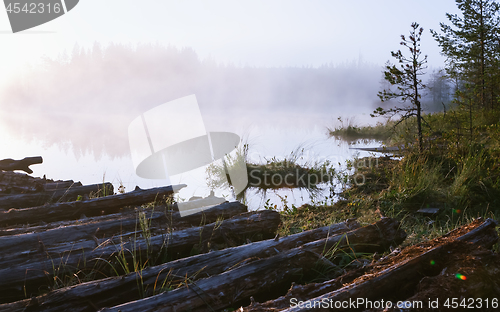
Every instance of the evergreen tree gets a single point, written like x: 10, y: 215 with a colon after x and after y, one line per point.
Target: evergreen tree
x: 471, y: 46
x: 406, y: 78
x: 439, y: 90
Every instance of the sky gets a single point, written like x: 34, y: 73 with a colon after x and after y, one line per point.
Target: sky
x: 246, y: 33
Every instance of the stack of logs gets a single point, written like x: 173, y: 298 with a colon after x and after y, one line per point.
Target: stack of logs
x: 221, y: 258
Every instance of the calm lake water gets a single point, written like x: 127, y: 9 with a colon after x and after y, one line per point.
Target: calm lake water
x: 267, y: 135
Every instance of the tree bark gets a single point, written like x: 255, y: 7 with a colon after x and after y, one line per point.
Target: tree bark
x: 20, y: 183
x: 222, y: 290
x: 172, y: 218
x: 102, y: 293
x: 58, y: 185
x: 13, y: 230
x: 23, y: 164
x: 18, y: 276
x: 158, y: 218
x: 403, y: 275
x: 92, y: 207
x: 42, y: 198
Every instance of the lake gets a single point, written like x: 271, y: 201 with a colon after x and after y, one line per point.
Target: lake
x: 273, y: 135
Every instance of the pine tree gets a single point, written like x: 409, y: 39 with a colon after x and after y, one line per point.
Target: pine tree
x: 406, y: 78
x: 439, y: 90
x: 471, y: 46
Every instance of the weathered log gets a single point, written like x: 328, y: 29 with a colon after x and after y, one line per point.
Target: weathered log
x: 41, y: 198
x: 220, y: 291
x: 205, y: 215
x: 20, y: 277
x: 96, y: 206
x: 173, y: 218
x: 157, y: 218
x: 57, y: 185
x: 103, y: 293
x: 29, y: 229
x: 23, y: 164
x: 403, y: 275
x: 16, y: 183
x: 20, y: 183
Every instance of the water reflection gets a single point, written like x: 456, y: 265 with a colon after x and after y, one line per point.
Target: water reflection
x: 265, y: 143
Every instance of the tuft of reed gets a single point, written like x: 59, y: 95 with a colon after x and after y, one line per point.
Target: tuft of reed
x: 347, y: 130
x: 290, y: 172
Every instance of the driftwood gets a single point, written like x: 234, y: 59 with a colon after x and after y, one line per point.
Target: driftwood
x: 60, y: 194
x: 17, y: 183
x: 171, y: 218
x: 32, y: 229
x: 102, y: 293
x: 401, y: 276
x: 57, y: 185
x: 19, y: 277
x: 23, y: 164
x: 96, y: 206
x: 219, y: 291
x: 158, y: 218
x: 222, y: 290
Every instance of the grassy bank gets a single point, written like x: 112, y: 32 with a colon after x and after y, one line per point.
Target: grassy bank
x: 458, y: 172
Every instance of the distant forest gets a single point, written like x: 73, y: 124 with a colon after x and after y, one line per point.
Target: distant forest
x: 88, y: 98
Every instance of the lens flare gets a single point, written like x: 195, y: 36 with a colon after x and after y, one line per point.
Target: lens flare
x: 460, y: 276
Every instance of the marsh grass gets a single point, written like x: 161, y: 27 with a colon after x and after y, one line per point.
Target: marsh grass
x: 290, y: 172
x: 62, y: 274
x: 347, y: 130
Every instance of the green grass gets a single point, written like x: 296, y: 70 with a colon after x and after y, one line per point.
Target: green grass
x: 348, y: 131
x: 276, y: 173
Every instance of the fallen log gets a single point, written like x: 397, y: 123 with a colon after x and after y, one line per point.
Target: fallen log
x: 173, y: 218
x: 20, y: 183
x: 18, y: 278
x: 397, y: 276
x: 223, y: 290
x: 23, y: 164
x: 16, y: 183
x: 103, y: 293
x: 208, y: 214
x: 42, y: 198
x: 57, y: 185
x: 32, y: 229
x: 158, y: 219
x: 92, y: 207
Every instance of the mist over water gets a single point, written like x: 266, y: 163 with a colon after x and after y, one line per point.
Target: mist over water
x: 75, y: 110
x: 89, y: 98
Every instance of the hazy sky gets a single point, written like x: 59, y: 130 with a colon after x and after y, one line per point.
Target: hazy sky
x: 244, y: 32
